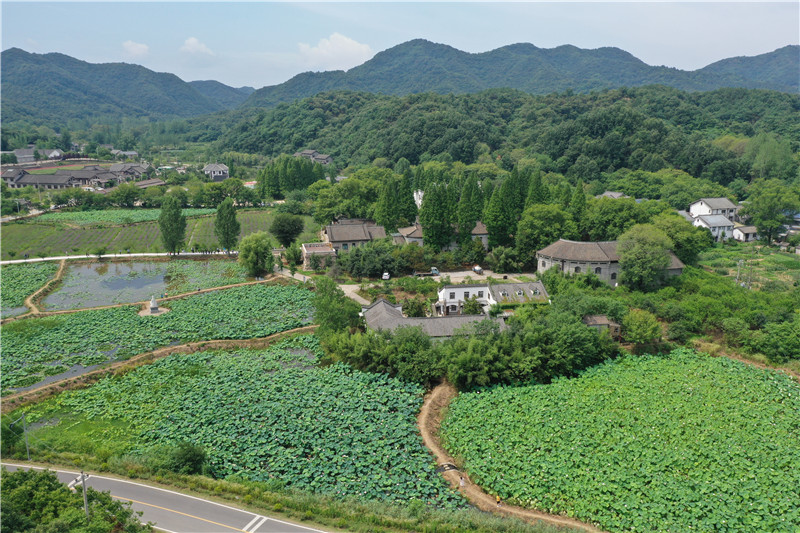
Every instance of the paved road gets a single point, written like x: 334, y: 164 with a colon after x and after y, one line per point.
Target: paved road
x: 174, y: 512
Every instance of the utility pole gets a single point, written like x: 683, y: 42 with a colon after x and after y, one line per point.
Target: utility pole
x: 85, y: 499
x: 25, y: 431
x: 738, y: 269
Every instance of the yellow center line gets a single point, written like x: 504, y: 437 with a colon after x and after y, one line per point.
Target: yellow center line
x: 178, y: 512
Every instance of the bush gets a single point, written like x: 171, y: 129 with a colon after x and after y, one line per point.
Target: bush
x: 187, y: 458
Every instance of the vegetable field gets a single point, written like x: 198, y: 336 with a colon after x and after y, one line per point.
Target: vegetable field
x: 34, y: 348
x: 17, y: 282
x: 266, y: 415
x: 683, y: 442
x: 106, y: 283
x: 56, y: 239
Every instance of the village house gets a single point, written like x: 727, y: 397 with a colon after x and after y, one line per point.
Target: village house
x: 348, y: 233
x: 314, y: 156
x: 128, y: 171
x: 125, y: 154
x: 383, y: 315
x: 91, y: 176
x: 216, y: 171
x: 613, y: 195
x: 323, y: 250
x: 603, y: 323
x: 599, y: 258
x: 451, y: 298
x: 714, y: 206
x: 413, y: 234
x: 45, y: 181
x: 745, y: 233
x: 720, y: 227
x: 12, y: 175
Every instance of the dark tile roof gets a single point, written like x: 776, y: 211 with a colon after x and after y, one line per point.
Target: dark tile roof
x: 155, y: 182
x: 717, y: 203
x: 510, y: 292
x: 598, y: 320
x: 715, y: 221
x: 604, y: 251
x: 387, y: 316
x: 45, y: 179
x: 354, y: 232
x: 411, y: 232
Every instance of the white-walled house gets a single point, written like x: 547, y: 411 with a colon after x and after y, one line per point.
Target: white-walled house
x: 216, y: 171
x: 745, y: 233
x: 713, y: 206
x: 452, y: 297
x: 720, y: 227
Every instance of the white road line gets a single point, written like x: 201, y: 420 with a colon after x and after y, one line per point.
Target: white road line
x: 73, y: 483
x: 253, y: 521
x: 264, y: 519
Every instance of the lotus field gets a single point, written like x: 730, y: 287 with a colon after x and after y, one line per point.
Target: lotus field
x: 110, y: 217
x: 266, y: 415
x: 34, y: 348
x: 683, y: 442
x: 17, y: 282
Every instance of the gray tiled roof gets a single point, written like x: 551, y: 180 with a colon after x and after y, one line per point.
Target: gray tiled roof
x: 347, y: 232
x: 605, y: 251
x: 718, y: 203
x: 44, y: 179
x: 509, y: 292
x: 715, y: 221
x: 383, y: 315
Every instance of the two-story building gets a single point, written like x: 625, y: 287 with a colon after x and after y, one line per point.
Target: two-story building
x: 720, y: 226
x: 451, y: 298
x: 216, y: 171
x: 714, y: 206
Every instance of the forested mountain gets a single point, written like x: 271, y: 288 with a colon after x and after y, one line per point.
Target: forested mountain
x: 224, y: 95
x: 56, y: 89
x: 422, y: 66
x: 649, y: 128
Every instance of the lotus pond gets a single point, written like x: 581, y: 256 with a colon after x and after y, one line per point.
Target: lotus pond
x: 263, y: 414
x: 683, y: 442
x: 19, y: 281
x: 34, y: 348
x: 106, y: 283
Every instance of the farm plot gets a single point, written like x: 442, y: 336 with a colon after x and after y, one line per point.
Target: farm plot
x: 17, y: 282
x: 265, y: 415
x: 113, y: 216
x: 676, y: 443
x: 35, y: 348
x: 106, y: 283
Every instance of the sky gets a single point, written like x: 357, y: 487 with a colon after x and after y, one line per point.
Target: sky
x: 258, y: 44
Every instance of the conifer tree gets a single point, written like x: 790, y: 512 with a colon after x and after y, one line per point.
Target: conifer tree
x: 469, y: 210
x: 226, y: 227
x: 577, y: 205
x: 499, y: 218
x: 172, y: 224
x: 537, y: 191
x: 405, y: 200
x: 436, y: 228
x: 386, y: 212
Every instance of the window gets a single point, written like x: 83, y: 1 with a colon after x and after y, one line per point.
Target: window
x: 503, y: 294
x: 519, y: 293
x: 344, y: 247
x: 598, y: 270
x: 452, y: 296
x: 466, y: 295
x: 614, y: 275
x: 453, y: 308
x: 577, y: 269
x: 480, y: 294
x: 535, y: 292
x: 544, y: 264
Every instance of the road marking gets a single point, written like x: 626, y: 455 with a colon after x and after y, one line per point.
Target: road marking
x: 179, y: 512
x: 263, y: 519
x: 253, y: 521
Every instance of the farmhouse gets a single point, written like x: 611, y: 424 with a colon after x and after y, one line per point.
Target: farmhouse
x: 720, y: 227
x: 383, y: 315
x: 314, y: 156
x: 413, y: 234
x: 451, y: 298
x: 93, y: 176
x: 323, y: 250
x: 713, y: 206
x: 45, y: 181
x: 12, y: 175
x: 745, y: 233
x: 599, y: 258
x: 348, y: 233
x: 216, y: 171
x: 603, y: 323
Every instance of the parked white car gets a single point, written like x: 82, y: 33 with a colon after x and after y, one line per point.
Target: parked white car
x: 385, y: 276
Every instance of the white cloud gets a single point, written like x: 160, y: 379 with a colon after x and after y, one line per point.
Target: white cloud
x: 135, y: 50
x: 192, y: 45
x: 336, y: 52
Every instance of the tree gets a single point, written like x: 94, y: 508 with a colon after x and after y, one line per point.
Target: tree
x: 470, y: 207
x: 542, y: 225
x: 643, y: 256
x: 434, y: 216
x: 769, y: 205
x: 641, y: 327
x: 226, y: 227
x: 472, y: 306
x: 577, y: 205
x: 386, y: 213
x: 688, y: 240
x: 499, y: 218
x: 414, y: 307
x: 125, y: 195
x: 335, y: 312
x: 286, y: 228
x: 172, y: 224
x: 537, y: 192
x: 255, y: 253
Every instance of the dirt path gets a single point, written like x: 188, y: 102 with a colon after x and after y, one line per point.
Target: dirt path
x: 30, y: 301
x: 14, y: 401
x: 429, y: 420
x: 36, y: 312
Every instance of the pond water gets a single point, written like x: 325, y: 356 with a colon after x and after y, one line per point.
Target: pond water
x: 7, y: 312
x: 96, y: 284
x: 107, y: 283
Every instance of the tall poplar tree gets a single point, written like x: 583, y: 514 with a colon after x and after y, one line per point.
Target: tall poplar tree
x: 437, y: 230
x: 470, y: 206
x: 172, y: 224
x: 499, y: 218
x: 537, y: 191
x: 386, y: 212
x: 405, y: 201
x: 226, y: 227
x: 577, y: 205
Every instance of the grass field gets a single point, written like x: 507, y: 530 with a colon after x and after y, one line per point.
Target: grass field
x: 43, y: 240
x: 683, y: 442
